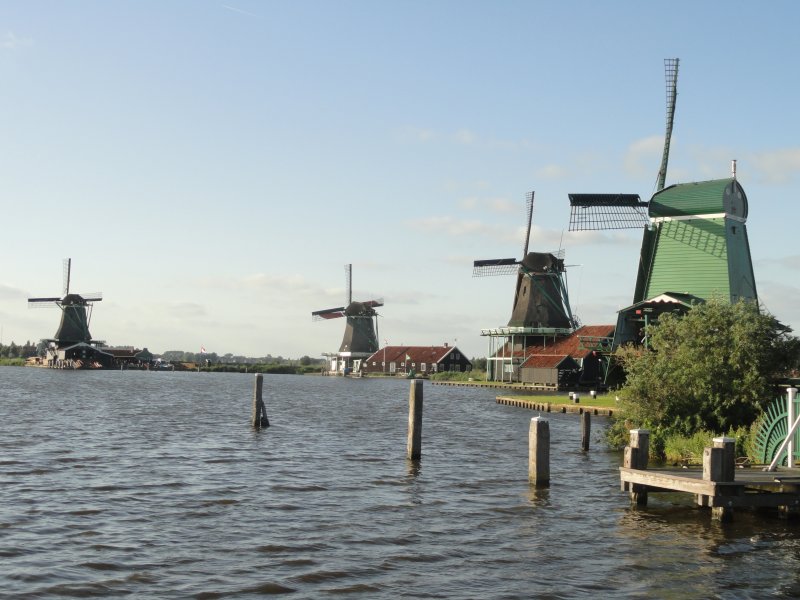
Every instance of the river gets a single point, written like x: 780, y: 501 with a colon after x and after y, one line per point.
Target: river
x: 154, y: 485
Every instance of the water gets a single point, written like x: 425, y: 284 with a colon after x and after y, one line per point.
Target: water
x: 155, y: 485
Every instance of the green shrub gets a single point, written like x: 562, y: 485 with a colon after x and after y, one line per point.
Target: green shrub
x: 458, y: 376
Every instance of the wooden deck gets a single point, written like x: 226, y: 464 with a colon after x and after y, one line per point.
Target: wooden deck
x: 751, y: 487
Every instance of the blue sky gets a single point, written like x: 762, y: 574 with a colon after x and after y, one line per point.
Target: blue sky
x: 212, y: 166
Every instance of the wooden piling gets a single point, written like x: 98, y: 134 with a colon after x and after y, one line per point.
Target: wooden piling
x: 539, y: 452
x: 586, y: 430
x: 415, y: 420
x: 636, y: 457
x: 259, y: 409
x: 728, y: 444
x: 719, y: 465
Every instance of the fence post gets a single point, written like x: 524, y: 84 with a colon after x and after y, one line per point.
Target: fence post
x: 415, y: 420
x: 539, y: 452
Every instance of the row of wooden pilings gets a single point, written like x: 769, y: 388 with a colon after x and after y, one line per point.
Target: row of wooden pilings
x: 538, y: 434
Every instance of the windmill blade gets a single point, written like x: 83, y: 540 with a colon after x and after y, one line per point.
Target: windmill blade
x: 328, y: 313
x: 41, y: 302
x: 348, y: 272
x: 595, y: 212
x: 374, y: 303
x: 529, y: 207
x: 495, y: 266
x: 671, y: 75
x: 92, y: 297
x: 67, y: 269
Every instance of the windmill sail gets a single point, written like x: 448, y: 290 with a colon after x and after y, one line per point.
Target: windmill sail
x: 671, y: 74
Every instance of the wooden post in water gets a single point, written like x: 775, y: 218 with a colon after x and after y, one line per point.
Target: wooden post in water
x: 636, y: 457
x: 728, y: 444
x: 539, y: 452
x: 586, y: 430
x: 415, y: 420
x: 719, y: 464
x: 259, y: 410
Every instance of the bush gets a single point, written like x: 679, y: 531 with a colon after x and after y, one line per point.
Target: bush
x: 713, y: 369
x: 458, y: 376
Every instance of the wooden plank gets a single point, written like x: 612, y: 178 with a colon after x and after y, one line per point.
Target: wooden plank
x: 772, y: 500
x: 667, y: 480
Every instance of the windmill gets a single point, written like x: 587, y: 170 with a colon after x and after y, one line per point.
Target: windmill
x: 541, y: 311
x: 72, y: 339
x: 360, y: 335
x: 694, y: 241
x: 541, y: 302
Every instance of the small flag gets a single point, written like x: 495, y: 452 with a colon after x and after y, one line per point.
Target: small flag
x: 408, y: 357
x: 202, y: 349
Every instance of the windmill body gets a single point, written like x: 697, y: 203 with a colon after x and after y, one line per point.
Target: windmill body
x: 540, y: 301
x: 360, y: 338
x: 695, y: 249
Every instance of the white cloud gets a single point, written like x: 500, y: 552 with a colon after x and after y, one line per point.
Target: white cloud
x: 552, y: 172
x: 465, y: 136
x: 186, y: 310
x: 11, y: 293
x: 238, y: 10
x: 494, y: 205
x: 417, y: 135
x: 642, y: 155
x: 10, y: 41
x: 790, y: 262
x: 777, y: 166
x: 457, y: 227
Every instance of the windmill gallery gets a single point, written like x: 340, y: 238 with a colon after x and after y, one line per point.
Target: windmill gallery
x: 694, y: 247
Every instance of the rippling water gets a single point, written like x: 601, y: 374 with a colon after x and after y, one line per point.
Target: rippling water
x: 155, y: 485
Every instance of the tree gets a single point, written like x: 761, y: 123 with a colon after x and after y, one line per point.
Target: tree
x: 713, y: 369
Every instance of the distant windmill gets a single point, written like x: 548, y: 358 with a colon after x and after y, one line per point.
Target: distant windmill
x: 76, y: 312
x: 541, y: 301
x: 360, y: 335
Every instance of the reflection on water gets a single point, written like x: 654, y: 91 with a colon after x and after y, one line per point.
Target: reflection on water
x: 155, y: 485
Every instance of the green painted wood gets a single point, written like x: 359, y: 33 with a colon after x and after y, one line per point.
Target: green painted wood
x: 690, y: 257
x: 700, y: 198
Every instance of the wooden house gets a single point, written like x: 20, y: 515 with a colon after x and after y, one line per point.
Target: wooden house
x: 423, y: 360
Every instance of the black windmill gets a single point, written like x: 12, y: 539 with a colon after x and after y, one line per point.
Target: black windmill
x: 541, y: 302
x: 72, y: 339
x: 360, y: 335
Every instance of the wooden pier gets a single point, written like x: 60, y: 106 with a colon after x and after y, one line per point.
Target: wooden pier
x: 577, y: 409
x: 718, y: 485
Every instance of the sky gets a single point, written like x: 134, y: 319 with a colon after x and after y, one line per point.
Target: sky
x: 210, y: 167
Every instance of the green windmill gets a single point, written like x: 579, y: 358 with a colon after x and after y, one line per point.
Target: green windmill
x: 694, y: 244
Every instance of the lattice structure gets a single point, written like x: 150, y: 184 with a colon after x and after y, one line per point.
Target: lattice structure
x: 671, y: 76
x: 497, y: 266
x: 595, y: 212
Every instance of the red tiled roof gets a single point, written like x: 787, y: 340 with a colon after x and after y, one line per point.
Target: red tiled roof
x: 416, y: 354
x: 571, y: 345
x: 548, y: 361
